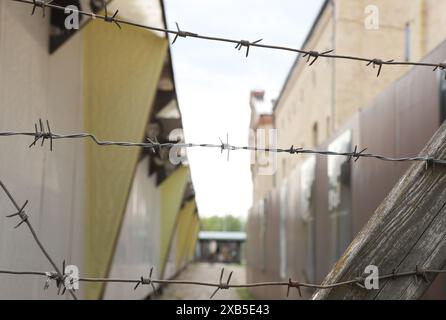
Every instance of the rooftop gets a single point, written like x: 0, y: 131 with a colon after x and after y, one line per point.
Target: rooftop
x: 222, y: 235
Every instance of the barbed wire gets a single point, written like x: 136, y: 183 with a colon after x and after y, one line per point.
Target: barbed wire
x: 311, y: 56
x: 42, y: 134
x: 65, y: 281
x: 360, y: 281
x: 58, y: 276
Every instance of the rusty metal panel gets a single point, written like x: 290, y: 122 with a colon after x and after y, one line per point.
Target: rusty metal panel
x: 283, y: 245
x: 417, y: 112
x: 339, y: 196
x: 272, y: 241
x: 264, y: 241
x: 373, y: 179
x: 303, y: 224
x: 293, y: 230
x: 296, y: 250
x: 321, y: 220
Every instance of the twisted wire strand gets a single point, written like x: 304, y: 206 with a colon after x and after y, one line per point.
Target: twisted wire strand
x: 222, y: 146
x: 418, y: 273
x: 239, y: 43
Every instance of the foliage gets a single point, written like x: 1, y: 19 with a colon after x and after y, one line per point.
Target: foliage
x: 226, y: 223
x: 244, y: 294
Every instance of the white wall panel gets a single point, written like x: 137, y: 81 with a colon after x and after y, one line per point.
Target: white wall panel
x: 171, y: 264
x: 35, y: 85
x: 138, y: 244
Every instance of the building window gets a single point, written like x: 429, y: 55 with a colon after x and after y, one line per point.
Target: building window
x: 339, y: 196
x: 315, y: 134
x: 282, y: 231
x: 407, y: 41
x: 306, y: 212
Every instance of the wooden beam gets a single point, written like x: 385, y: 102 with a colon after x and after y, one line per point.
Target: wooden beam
x: 407, y: 230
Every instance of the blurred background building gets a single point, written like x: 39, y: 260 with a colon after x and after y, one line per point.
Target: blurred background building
x: 221, y: 246
x: 315, y: 101
x: 110, y: 211
x: 302, y: 225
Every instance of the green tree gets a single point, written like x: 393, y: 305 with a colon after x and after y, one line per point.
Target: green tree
x: 226, y: 223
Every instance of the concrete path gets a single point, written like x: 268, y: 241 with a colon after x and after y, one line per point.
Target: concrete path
x: 208, y: 273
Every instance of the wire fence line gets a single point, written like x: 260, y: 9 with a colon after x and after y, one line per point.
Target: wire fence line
x: 64, y: 281
x: 311, y: 56
x: 60, y: 277
x: 42, y: 134
x: 222, y: 284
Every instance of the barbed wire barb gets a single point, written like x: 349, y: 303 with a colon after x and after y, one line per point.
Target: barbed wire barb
x: 110, y: 19
x: 60, y: 280
x: 355, y: 154
x: 442, y: 67
x: 247, y: 44
x: 420, y: 273
x: 379, y: 63
x: 293, y: 284
x: 21, y: 213
x: 40, y: 4
x: 42, y: 134
x: 293, y: 150
x: 359, y: 281
x: 154, y: 143
x: 182, y: 34
x: 49, y: 276
x: 315, y: 55
x: 222, y: 285
x: 146, y: 281
x: 226, y: 146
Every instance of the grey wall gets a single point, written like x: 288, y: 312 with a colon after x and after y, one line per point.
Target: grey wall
x: 138, y: 247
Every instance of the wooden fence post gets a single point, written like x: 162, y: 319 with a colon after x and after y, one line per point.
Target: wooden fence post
x: 408, y: 230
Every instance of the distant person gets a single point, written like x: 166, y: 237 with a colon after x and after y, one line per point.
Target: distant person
x: 213, y: 248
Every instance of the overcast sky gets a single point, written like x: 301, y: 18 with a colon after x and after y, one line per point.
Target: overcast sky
x: 214, y: 82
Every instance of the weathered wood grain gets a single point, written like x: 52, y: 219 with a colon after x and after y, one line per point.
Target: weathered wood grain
x: 407, y: 230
